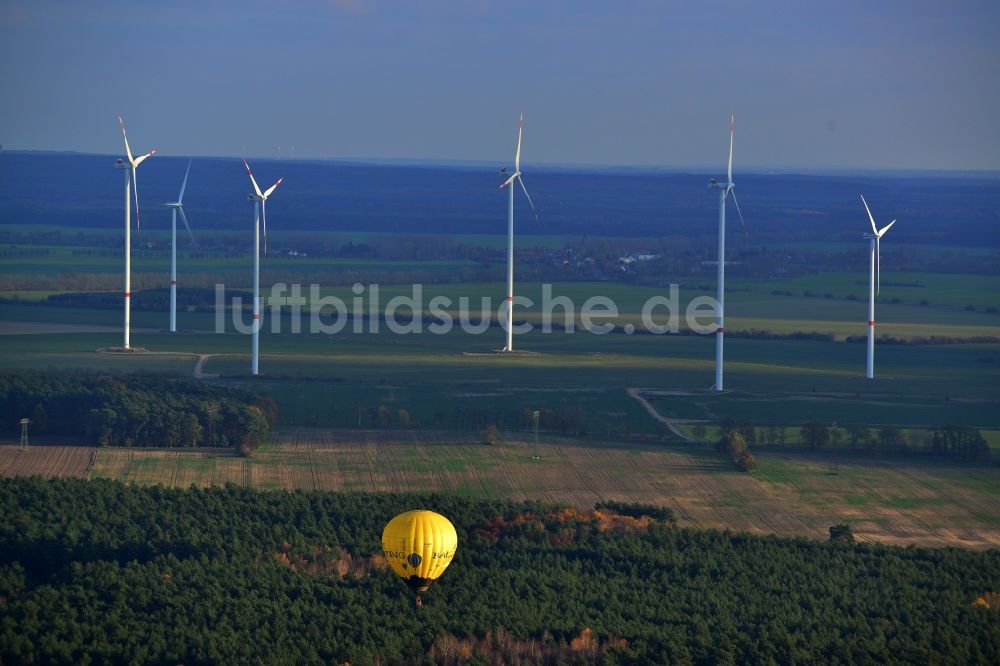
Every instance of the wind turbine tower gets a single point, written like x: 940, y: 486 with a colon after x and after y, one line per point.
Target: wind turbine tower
x: 874, y: 278
x: 725, y: 190
x: 259, y: 213
x: 177, y: 207
x: 130, y: 182
x: 24, y: 434
x: 509, y: 183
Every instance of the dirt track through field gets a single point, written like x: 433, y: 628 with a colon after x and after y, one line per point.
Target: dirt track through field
x: 890, y: 501
x: 636, y: 394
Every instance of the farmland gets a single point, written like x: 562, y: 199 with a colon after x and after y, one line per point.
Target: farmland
x: 885, y: 500
x: 47, y: 461
x: 789, y: 361
x: 325, y: 379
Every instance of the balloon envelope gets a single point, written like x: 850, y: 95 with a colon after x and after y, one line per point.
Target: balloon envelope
x: 419, y: 546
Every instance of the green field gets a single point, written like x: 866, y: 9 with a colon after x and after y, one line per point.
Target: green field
x: 328, y: 380
x: 818, y: 297
x: 57, y: 257
x: 758, y: 309
x: 322, y: 379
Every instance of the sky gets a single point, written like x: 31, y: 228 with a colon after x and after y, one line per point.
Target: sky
x: 814, y: 85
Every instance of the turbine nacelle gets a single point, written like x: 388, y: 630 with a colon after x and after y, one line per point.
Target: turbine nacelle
x: 511, y: 179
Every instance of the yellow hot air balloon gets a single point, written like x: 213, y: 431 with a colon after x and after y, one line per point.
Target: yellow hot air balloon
x: 419, y: 546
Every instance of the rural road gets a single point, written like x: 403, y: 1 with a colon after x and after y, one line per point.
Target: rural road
x: 199, y: 367
x: 637, y: 394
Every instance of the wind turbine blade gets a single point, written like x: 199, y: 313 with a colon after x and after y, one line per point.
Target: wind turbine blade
x: 135, y: 193
x: 187, y: 226
x: 180, y: 198
x: 273, y: 187
x: 742, y: 224
x: 870, y: 218
x: 881, y: 232
x: 142, y: 158
x: 530, y: 203
x: 263, y: 216
x: 509, y: 180
x: 252, y: 179
x: 517, y: 155
x: 128, y: 150
x: 878, y: 265
x: 732, y: 130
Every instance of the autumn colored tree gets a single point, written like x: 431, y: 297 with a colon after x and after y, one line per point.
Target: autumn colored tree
x: 268, y: 407
x: 383, y: 416
x: 491, y: 435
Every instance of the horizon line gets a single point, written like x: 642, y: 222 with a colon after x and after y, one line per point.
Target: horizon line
x: 553, y: 166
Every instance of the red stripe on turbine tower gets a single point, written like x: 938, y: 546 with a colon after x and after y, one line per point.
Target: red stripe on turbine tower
x: 173, y: 282
x: 256, y: 317
x: 510, y: 298
x: 871, y: 322
x: 720, y: 330
x: 128, y: 294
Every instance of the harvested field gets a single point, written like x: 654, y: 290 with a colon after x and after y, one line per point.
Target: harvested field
x: 885, y: 500
x: 46, y: 461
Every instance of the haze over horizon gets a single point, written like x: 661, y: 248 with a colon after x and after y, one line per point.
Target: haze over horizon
x: 900, y: 85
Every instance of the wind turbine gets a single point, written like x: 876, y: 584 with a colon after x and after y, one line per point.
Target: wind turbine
x: 130, y: 182
x: 259, y: 211
x: 177, y: 206
x: 516, y: 176
x: 874, y: 278
x: 725, y: 189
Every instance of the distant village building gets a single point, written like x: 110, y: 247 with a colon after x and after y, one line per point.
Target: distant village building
x: 638, y: 256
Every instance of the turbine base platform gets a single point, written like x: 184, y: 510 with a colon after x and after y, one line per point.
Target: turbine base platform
x: 123, y: 350
x: 504, y: 352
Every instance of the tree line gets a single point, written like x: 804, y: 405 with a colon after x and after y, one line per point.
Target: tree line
x: 104, y: 572
x: 135, y: 410
x: 947, y: 441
